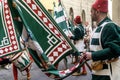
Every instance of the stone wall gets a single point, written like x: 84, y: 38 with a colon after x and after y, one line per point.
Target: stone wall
x: 80, y: 7
x: 116, y: 11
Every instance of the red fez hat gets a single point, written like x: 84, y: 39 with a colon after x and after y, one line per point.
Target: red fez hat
x: 77, y: 19
x: 101, y: 5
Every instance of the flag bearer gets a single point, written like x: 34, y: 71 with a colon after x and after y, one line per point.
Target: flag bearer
x: 78, y: 35
x: 104, y: 44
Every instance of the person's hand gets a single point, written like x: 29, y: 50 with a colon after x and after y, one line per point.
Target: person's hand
x: 88, y: 55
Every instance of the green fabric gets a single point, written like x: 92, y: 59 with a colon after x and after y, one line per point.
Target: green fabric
x: 15, y: 14
x: 41, y: 28
x: 95, y: 41
x: 9, y: 30
x: 110, y: 34
x: 55, y: 72
x: 78, y: 32
x: 44, y: 57
x: 46, y: 36
x: 98, y: 77
x: 115, y: 47
x: 61, y: 14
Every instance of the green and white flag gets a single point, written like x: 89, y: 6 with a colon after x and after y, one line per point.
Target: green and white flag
x: 9, y: 34
x: 42, y: 29
x: 61, y: 18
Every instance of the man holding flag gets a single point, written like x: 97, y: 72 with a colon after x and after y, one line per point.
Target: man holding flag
x: 104, y: 44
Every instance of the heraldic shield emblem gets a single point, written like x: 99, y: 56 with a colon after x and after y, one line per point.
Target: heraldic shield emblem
x: 47, y: 43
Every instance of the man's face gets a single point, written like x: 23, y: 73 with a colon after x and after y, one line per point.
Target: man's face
x: 94, y: 15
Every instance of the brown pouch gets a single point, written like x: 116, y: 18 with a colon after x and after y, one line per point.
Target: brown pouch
x: 97, y: 65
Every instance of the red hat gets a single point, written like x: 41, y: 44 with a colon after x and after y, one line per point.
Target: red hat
x: 77, y: 19
x: 101, y: 5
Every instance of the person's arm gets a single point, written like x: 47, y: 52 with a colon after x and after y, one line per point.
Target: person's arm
x: 110, y: 36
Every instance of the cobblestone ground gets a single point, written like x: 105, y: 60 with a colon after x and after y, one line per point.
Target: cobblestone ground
x: 37, y: 74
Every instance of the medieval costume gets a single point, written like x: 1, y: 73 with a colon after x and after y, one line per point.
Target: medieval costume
x: 104, y: 46
x: 78, y: 35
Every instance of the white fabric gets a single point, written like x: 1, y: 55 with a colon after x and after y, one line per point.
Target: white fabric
x: 68, y: 33
x: 34, y: 45
x: 95, y: 47
x: 102, y: 72
x: 24, y: 34
x: 80, y: 45
x: 60, y: 19
x: 99, y: 47
x: 59, y: 8
x: 97, y: 36
x: 115, y: 70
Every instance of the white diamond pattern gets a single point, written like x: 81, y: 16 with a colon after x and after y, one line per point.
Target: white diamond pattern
x: 10, y: 48
x: 8, y: 22
x: 60, y: 49
x: 6, y: 11
x: 11, y: 32
x: 10, y: 27
x: 7, y: 17
x: 6, y: 6
x: 64, y: 46
x: 56, y: 32
x: 51, y: 58
x: 6, y: 49
x: 1, y: 51
x: 55, y: 54
x: 45, y: 19
x: 28, y: 1
x: 50, y: 25
x: 12, y: 37
x: 15, y: 47
x: 34, y: 7
x: 39, y: 13
x: 14, y: 42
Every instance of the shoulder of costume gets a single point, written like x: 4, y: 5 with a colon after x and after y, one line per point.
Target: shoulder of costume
x: 111, y: 24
